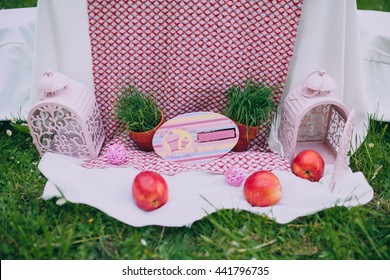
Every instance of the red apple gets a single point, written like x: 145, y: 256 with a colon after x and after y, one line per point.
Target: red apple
x: 150, y: 190
x: 262, y: 188
x: 309, y: 165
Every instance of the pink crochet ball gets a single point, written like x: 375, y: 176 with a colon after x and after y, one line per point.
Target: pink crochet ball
x: 116, y: 154
x: 234, y: 176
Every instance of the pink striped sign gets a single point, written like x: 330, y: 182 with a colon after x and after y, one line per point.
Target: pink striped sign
x: 195, y: 137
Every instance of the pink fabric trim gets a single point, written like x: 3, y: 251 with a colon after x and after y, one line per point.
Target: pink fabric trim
x: 249, y: 161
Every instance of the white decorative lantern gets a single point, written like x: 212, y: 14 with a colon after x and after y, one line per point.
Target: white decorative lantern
x: 66, y: 120
x: 314, y: 118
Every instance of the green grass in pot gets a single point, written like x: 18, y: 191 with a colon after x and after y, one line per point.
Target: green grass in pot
x: 251, y: 105
x: 137, y: 110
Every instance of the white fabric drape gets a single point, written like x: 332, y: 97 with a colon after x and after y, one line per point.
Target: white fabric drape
x: 375, y: 43
x: 17, y: 30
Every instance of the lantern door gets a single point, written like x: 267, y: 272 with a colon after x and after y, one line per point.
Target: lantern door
x: 55, y: 128
x: 344, y: 146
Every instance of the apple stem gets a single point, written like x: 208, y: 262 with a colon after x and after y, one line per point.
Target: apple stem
x: 308, y: 174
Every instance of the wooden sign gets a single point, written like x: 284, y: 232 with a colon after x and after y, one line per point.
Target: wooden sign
x: 195, y: 137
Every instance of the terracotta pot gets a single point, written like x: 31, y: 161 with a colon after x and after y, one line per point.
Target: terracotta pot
x: 246, y: 135
x: 143, y: 140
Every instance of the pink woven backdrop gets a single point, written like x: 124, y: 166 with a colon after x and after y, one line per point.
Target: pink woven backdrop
x: 188, y: 53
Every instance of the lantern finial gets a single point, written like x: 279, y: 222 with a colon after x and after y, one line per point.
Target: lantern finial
x: 321, y: 72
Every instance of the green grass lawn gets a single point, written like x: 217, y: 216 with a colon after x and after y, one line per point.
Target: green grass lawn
x: 35, y: 229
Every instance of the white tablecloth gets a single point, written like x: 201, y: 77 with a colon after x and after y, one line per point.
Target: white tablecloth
x: 17, y: 31
x: 328, y: 37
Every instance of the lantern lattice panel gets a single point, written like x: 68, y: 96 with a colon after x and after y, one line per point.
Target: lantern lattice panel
x: 95, y: 127
x: 286, y: 134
